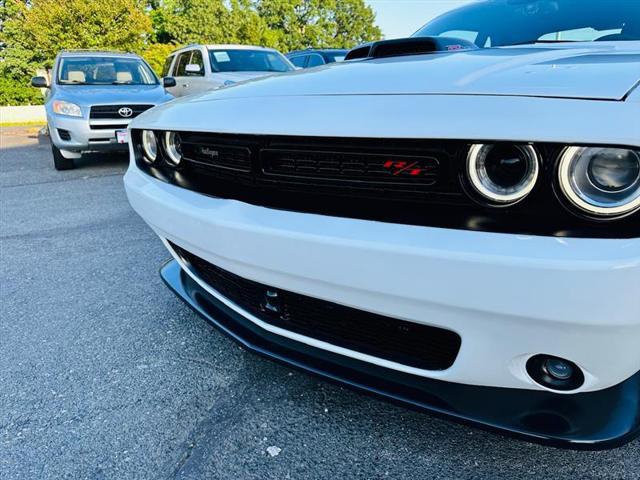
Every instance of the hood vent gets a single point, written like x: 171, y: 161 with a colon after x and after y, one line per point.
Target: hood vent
x: 409, y: 46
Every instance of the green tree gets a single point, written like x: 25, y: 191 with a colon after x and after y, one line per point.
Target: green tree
x: 319, y: 23
x: 36, y: 31
x: 284, y: 24
x: 246, y: 26
x: 354, y: 23
x: 191, y: 21
x: 156, y: 54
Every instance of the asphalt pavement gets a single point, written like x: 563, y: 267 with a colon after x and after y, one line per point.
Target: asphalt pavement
x: 104, y: 374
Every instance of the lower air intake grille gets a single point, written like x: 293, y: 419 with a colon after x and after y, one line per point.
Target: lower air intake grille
x: 64, y: 134
x: 407, y: 343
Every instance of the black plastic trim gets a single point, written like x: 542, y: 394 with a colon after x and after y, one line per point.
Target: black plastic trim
x: 446, y: 202
x: 588, y: 421
x: 409, y: 46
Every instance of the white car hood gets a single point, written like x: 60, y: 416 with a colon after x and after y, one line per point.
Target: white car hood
x: 599, y: 71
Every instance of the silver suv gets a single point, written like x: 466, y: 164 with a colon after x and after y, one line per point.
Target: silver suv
x: 91, y: 99
x: 198, y: 68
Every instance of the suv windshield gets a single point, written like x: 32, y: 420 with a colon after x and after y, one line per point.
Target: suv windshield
x: 92, y: 70
x: 517, y: 22
x: 248, y: 61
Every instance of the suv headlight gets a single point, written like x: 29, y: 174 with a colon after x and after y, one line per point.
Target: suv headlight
x: 601, y: 181
x: 66, y: 108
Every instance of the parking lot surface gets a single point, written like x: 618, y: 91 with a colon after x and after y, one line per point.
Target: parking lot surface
x: 104, y: 374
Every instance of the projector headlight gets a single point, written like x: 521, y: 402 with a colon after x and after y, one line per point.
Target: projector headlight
x: 601, y: 181
x: 503, y: 174
x: 149, y: 146
x: 66, y: 108
x: 173, y: 148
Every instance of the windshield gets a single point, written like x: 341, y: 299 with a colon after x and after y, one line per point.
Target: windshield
x: 248, y: 61
x: 516, y: 22
x: 337, y: 56
x: 104, y: 71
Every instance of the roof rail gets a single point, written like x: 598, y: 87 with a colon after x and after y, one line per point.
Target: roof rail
x: 191, y: 45
x: 91, y: 50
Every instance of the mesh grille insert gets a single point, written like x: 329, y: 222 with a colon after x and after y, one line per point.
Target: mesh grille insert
x: 407, y: 343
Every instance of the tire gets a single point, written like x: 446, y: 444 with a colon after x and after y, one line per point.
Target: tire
x: 59, y: 162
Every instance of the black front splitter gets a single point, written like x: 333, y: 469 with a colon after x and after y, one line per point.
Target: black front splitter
x: 587, y: 421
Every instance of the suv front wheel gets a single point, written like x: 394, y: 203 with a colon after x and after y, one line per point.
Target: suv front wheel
x: 59, y: 162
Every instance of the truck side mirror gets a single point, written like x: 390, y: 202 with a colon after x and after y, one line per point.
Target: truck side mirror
x: 169, y: 82
x: 193, y: 69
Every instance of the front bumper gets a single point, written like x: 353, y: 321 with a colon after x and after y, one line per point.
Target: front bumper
x: 509, y: 298
x: 588, y: 421
x: 85, y: 134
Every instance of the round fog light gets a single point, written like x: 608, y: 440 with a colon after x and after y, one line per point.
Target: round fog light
x: 555, y: 373
x: 149, y: 146
x: 558, y: 369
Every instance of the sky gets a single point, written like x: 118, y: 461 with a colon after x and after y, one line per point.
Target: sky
x: 401, y: 18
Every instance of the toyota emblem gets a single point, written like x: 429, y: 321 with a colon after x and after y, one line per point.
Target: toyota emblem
x: 125, y: 112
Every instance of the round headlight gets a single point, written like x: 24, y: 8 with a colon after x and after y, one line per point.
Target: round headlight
x: 503, y: 174
x: 601, y: 181
x: 149, y: 146
x: 173, y: 148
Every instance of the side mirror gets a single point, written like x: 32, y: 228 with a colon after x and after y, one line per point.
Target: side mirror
x: 169, y: 82
x: 193, y: 68
x: 39, y: 82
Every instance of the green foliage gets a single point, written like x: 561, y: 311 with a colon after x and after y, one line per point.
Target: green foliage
x: 319, y: 23
x: 191, y: 21
x: 156, y: 54
x: 284, y: 24
x: 18, y: 92
x: 37, y: 31
x: 354, y: 23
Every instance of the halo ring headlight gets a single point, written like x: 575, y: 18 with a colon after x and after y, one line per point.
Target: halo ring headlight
x: 173, y: 148
x: 601, y: 181
x: 149, y: 146
x: 503, y: 174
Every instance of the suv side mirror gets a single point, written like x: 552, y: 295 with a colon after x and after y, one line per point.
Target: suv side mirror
x: 169, y: 82
x: 193, y: 68
x: 39, y: 82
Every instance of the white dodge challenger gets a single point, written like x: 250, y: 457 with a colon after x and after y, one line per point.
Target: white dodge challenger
x: 451, y: 221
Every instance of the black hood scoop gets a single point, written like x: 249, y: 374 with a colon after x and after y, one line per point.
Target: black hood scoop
x: 409, y: 46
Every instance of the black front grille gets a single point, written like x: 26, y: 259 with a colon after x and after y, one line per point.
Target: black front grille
x: 351, y: 166
x: 214, y: 163
x: 112, y: 111
x: 212, y: 155
x: 407, y: 343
